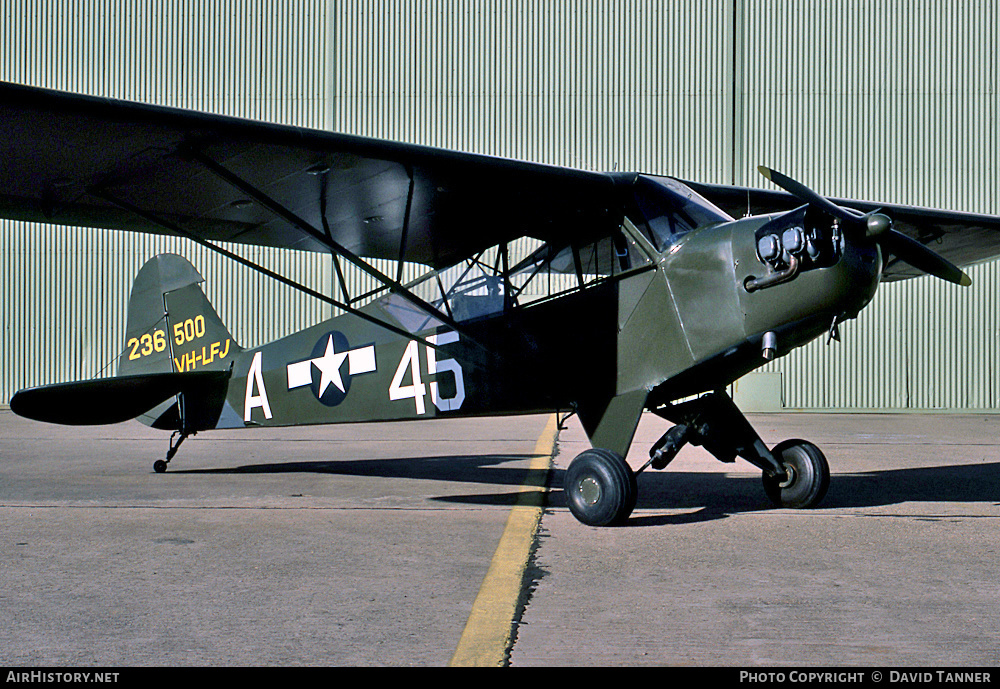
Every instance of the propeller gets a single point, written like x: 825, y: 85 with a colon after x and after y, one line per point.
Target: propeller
x: 877, y: 226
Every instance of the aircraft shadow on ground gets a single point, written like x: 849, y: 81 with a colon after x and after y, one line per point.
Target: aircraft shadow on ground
x: 709, y: 495
x: 488, y: 469
x: 715, y: 496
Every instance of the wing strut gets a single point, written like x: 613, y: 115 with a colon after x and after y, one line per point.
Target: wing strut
x: 302, y: 225
x: 406, y: 227
x: 326, y: 228
x: 259, y: 268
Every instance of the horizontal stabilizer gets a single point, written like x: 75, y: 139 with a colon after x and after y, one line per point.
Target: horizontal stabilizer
x: 112, y: 400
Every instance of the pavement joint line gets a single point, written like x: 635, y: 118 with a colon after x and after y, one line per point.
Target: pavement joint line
x: 488, y: 632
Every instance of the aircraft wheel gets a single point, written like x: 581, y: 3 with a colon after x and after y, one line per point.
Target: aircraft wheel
x: 600, y: 488
x: 808, y: 475
x: 159, y: 466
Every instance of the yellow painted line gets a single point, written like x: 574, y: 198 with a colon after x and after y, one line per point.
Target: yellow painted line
x: 487, y: 634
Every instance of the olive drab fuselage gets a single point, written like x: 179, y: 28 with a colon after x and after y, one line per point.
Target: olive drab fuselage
x: 685, y: 324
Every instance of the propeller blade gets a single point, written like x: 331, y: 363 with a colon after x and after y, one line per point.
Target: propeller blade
x: 806, y: 194
x: 878, y: 227
x: 911, y: 251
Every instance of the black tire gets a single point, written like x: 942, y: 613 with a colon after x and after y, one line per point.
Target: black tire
x: 600, y: 488
x: 159, y: 466
x: 808, y: 479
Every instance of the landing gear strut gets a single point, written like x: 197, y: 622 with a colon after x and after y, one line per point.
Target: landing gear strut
x: 601, y: 488
x: 795, y: 472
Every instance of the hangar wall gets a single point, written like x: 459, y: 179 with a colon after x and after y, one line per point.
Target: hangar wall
x: 887, y: 100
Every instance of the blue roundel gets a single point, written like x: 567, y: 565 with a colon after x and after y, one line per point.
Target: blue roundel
x: 330, y: 378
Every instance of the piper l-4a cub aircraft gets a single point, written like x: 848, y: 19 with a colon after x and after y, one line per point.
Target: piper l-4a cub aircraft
x: 546, y: 288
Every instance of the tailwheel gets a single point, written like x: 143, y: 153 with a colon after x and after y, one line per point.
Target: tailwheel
x: 600, y: 488
x: 160, y: 465
x: 806, y: 479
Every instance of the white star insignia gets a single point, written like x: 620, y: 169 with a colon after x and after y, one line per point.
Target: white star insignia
x: 360, y: 360
x: 329, y: 366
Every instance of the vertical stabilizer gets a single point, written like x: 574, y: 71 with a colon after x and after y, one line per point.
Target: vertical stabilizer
x: 171, y: 324
x: 172, y: 328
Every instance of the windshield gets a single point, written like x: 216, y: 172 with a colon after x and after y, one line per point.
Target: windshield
x: 669, y: 209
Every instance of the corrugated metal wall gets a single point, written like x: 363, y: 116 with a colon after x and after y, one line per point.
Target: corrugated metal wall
x: 597, y: 84
x: 896, y: 101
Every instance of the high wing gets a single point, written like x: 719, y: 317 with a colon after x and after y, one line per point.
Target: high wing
x: 962, y: 238
x: 81, y: 160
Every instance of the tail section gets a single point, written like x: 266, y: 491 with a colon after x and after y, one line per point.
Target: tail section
x: 174, y: 371
x: 173, y: 328
x: 171, y: 325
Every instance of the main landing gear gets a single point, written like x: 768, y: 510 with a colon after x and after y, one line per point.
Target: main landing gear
x: 601, y: 488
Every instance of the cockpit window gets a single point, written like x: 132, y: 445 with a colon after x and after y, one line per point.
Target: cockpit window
x: 669, y: 209
x: 514, y: 275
